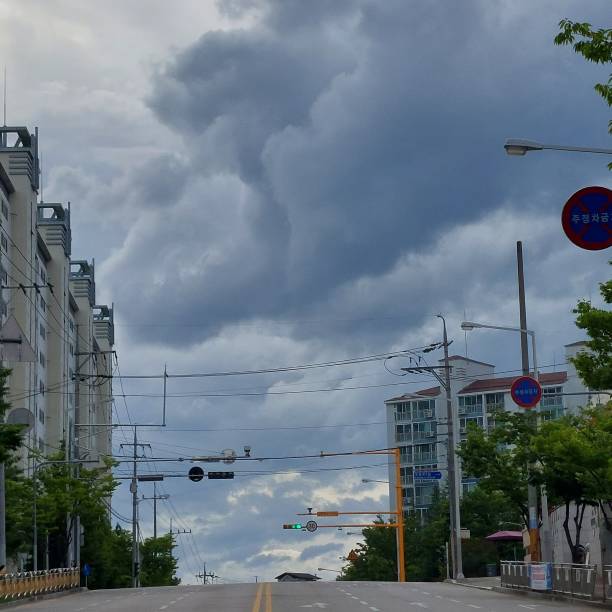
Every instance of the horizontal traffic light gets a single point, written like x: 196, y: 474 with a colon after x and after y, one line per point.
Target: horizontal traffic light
x: 220, y: 475
x: 292, y: 526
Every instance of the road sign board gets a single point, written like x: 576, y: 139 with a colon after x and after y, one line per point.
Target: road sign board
x: 87, y: 570
x: 196, y: 473
x: 427, y: 475
x: 328, y: 513
x: 526, y: 391
x: 587, y: 218
x: 352, y: 556
x: 311, y: 526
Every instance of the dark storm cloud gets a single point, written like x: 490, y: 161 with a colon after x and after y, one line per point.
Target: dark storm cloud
x: 354, y: 132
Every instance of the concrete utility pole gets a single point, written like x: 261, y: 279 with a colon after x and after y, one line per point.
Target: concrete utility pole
x: 532, y: 493
x: 155, y: 498
x: 134, y: 491
x: 453, y: 481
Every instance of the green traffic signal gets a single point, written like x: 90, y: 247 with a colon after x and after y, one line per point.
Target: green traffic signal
x: 292, y: 526
x: 297, y: 526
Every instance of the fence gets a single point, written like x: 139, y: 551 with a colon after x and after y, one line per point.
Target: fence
x: 576, y: 580
x: 27, y: 584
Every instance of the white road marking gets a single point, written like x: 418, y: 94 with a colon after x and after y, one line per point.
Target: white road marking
x: 474, y: 606
x: 374, y: 609
x: 439, y: 597
x: 527, y: 607
x: 354, y: 597
x: 363, y: 603
x: 455, y: 600
x: 163, y: 607
x: 425, y: 593
x: 417, y: 603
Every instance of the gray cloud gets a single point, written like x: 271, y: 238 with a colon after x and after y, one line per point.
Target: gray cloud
x: 311, y: 552
x: 353, y: 136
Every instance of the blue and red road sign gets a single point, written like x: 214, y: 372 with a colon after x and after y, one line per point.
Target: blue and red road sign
x: 526, y: 391
x: 587, y: 218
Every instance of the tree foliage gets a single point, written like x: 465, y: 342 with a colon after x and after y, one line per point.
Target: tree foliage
x: 595, y: 366
x: 158, y: 565
x: 595, y: 45
x: 10, y: 435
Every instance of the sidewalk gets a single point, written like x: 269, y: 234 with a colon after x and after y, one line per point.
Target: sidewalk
x: 494, y: 584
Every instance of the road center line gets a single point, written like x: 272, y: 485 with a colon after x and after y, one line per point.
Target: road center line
x: 363, y: 603
x: 258, y: 594
x: 374, y: 609
x: 474, y: 606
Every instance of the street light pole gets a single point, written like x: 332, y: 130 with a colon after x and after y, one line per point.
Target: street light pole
x: 541, y: 550
x: 519, y: 146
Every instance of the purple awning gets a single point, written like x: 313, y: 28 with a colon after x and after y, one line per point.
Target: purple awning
x: 505, y: 536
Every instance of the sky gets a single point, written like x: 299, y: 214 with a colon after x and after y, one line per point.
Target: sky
x: 270, y: 183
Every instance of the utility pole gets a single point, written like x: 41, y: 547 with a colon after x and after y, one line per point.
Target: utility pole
x: 453, y: 481
x: 532, y: 493
x: 155, y: 498
x: 134, y: 491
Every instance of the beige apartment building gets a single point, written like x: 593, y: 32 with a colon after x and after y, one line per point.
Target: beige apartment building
x: 66, y: 390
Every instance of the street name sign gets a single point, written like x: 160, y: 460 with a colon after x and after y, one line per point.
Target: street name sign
x: 328, y: 513
x: 526, y: 391
x: 586, y: 218
x: 427, y: 475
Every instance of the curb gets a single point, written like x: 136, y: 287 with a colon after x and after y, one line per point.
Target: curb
x: 554, y: 597
x: 471, y: 586
x: 34, y: 598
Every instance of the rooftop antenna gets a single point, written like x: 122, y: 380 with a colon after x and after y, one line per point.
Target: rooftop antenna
x: 465, y: 334
x: 42, y: 199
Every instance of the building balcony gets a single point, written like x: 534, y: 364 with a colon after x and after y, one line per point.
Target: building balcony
x: 425, y: 458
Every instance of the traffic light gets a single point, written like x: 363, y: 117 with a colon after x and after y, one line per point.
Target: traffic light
x: 196, y: 473
x: 292, y: 526
x: 220, y: 475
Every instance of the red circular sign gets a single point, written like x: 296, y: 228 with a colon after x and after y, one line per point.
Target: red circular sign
x: 587, y: 218
x: 526, y: 391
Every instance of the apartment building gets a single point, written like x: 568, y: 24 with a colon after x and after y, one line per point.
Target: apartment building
x: 66, y: 389
x: 417, y: 421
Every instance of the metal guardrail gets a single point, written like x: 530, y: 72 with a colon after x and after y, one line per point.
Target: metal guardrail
x: 515, y: 574
x: 607, y: 581
x: 27, y: 584
x: 577, y: 580
x: 574, y: 579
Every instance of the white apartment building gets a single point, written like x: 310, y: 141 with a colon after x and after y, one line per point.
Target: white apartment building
x: 52, y: 298
x: 417, y: 421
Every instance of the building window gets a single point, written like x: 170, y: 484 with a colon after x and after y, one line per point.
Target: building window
x: 494, y: 401
x: 4, y: 241
x: 5, y: 210
x: 406, y: 475
x: 464, y: 423
x: 41, y: 387
x: 43, y: 304
x: 406, y: 454
x: 41, y: 444
x: 43, y: 276
x: 43, y: 331
x: 71, y: 322
x: 4, y: 276
x: 470, y: 404
x: 71, y: 349
x: 426, y: 429
x: 41, y: 359
x: 402, y: 411
x: 551, y: 404
x: 41, y: 415
x: 424, y: 409
x: 425, y: 453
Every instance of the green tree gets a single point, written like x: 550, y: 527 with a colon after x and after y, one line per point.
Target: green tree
x: 595, y: 367
x: 595, y: 45
x: 158, y: 566
x: 10, y: 435
x: 109, y: 554
x: 376, y: 556
x: 65, y: 492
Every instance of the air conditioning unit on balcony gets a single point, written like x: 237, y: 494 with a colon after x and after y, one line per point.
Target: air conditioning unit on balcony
x: 428, y: 413
x: 462, y: 410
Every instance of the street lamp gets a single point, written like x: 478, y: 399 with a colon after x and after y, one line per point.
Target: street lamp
x: 519, y: 146
x: 366, y: 480
x: 470, y: 325
x: 324, y: 569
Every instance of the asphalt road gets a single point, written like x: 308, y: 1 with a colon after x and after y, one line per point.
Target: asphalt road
x: 301, y: 597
